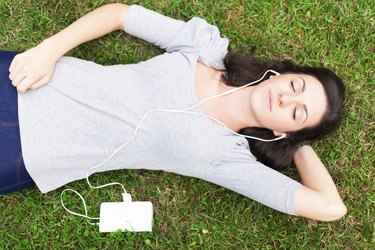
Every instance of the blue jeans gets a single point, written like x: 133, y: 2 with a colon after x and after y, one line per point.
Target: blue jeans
x: 13, y: 174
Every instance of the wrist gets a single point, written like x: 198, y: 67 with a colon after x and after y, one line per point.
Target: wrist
x: 52, y: 47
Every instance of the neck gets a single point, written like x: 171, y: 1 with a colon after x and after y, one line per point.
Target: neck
x: 234, y: 109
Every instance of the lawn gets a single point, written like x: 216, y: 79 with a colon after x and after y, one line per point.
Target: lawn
x: 191, y: 213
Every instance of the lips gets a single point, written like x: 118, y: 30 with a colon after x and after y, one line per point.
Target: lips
x: 269, y: 100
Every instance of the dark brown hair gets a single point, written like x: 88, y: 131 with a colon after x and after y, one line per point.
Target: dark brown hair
x: 242, y: 69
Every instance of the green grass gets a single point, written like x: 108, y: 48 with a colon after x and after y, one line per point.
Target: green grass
x: 191, y: 213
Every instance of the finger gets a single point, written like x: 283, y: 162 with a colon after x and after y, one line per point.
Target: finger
x: 18, y: 72
x: 26, y: 83
x: 17, y: 78
x: 13, y: 71
x: 40, y: 82
x: 14, y: 62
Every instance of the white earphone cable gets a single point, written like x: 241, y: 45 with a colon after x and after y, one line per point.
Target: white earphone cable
x: 89, y: 171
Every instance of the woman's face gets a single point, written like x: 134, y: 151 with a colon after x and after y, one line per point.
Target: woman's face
x: 288, y: 102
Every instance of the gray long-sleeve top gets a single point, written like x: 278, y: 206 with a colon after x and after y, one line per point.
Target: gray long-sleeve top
x: 88, y: 110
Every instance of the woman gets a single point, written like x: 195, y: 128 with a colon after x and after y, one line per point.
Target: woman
x: 87, y: 111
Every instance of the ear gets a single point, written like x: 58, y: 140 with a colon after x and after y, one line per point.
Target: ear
x: 277, y: 133
x: 272, y: 76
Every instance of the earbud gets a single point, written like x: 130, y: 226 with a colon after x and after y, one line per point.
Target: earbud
x: 273, y: 71
x: 260, y: 79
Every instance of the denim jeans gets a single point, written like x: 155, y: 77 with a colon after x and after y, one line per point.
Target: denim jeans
x: 13, y: 174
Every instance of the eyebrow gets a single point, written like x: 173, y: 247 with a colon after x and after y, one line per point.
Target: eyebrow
x: 303, y: 85
x: 303, y: 90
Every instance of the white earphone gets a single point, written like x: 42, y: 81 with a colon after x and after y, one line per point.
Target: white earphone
x: 283, y: 135
x: 126, y: 196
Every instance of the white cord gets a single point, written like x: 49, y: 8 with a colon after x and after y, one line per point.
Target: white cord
x: 84, y: 204
x: 182, y: 111
x: 234, y: 90
x: 136, y: 131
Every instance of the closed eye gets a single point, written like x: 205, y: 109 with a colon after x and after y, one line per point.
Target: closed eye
x: 292, y: 84
x: 294, y: 113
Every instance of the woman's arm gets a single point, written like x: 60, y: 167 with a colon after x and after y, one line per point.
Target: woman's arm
x: 34, y: 67
x: 319, y: 199
x: 97, y: 23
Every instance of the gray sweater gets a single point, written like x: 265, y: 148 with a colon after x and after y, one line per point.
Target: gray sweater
x: 88, y: 110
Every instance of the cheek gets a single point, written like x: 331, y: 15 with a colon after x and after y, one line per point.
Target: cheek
x: 283, y: 121
x: 282, y: 115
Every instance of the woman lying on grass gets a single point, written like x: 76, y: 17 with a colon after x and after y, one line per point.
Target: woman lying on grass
x: 74, y: 113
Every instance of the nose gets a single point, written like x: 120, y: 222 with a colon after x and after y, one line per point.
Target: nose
x: 287, y: 100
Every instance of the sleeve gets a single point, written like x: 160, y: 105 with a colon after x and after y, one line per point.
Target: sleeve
x: 256, y: 181
x: 193, y: 37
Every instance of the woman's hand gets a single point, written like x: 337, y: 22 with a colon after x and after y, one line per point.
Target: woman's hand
x: 33, y: 68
